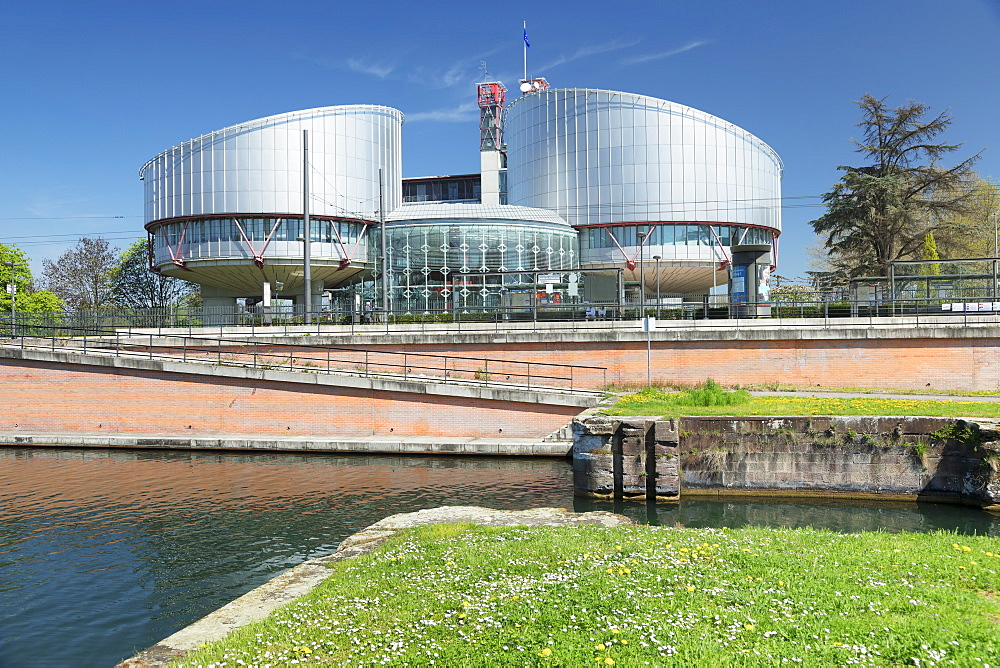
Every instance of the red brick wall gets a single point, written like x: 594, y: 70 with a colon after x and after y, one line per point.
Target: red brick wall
x: 951, y: 364
x: 67, y: 397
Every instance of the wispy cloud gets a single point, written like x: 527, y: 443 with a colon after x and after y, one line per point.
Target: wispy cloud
x: 460, y: 114
x: 635, y: 60
x: 586, y: 51
x: 380, y: 70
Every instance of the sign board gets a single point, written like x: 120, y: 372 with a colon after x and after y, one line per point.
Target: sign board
x: 739, y: 284
x: 549, y: 278
x: 11, y: 289
x: 648, y: 324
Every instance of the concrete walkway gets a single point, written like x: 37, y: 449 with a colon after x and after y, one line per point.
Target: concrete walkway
x: 413, y: 445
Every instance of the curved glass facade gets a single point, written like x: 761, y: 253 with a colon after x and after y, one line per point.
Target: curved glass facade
x: 598, y: 156
x: 605, y: 159
x: 458, y: 256
x: 204, y: 238
x: 253, y: 172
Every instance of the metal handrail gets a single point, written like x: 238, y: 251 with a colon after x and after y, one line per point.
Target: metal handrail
x: 301, y: 358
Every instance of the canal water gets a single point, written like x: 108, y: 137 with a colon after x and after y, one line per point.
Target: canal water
x: 103, y: 552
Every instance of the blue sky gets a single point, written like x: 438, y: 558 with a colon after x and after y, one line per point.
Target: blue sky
x: 91, y: 90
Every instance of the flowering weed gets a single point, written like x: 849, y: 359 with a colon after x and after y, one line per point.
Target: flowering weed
x: 463, y: 595
x: 651, y: 401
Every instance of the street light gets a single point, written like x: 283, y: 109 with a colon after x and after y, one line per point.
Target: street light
x: 657, y: 258
x: 642, y: 275
x: 12, y: 291
x: 642, y: 309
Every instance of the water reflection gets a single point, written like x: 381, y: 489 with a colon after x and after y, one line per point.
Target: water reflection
x: 830, y: 514
x: 105, y: 552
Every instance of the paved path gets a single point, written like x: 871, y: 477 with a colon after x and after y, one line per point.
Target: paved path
x: 874, y: 394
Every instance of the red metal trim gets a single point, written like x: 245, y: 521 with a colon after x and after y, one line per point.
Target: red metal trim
x: 345, y: 259
x: 178, y: 257
x: 631, y: 263
x: 680, y: 222
x: 222, y: 216
x: 258, y: 258
x: 726, y: 260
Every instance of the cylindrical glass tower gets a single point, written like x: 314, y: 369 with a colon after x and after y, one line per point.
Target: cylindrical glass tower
x: 225, y: 209
x: 618, y: 164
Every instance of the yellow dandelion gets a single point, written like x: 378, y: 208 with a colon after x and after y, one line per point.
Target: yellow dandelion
x: 600, y: 647
x: 609, y: 661
x: 545, y: 652
x: 615, y: 631
x: 690, y: 587
x: 749, y: 627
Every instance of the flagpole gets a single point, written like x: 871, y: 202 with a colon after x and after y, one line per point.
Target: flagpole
x: 525, y: 49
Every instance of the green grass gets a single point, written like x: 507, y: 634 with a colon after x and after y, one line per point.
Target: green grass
x: 462, y: 595
x: 657, y: 402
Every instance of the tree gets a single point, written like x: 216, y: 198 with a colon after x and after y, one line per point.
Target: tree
x: 971, y: 233
x: 930, y: 252
x: 880, y: 212
x: 27, y: 299
x: 133, y: 285
x: 81, y: 277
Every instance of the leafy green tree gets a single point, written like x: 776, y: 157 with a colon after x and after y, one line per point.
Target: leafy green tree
x: 880, y: 212
x: 133, y: 285
x: 971, y: 233
x: 930, y: 252
x: 26, y: 298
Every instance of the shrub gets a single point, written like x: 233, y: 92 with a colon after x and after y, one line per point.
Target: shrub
x: 712, y: 394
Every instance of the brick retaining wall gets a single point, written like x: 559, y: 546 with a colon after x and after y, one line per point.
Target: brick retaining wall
x: 65, y: 397
x: 920, y: 363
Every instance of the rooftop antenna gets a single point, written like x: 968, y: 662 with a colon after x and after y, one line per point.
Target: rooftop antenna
x: 486, y: 73
x: 530, y: 85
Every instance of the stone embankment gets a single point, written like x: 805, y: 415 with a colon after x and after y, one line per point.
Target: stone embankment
x: 298, y: 581
x: 887, y: 458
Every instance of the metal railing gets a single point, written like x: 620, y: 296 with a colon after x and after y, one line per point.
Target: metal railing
x: 223, y: 322
x: 328, y: 359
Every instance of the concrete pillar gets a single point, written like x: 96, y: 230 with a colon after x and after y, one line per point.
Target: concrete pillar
x: 633, y: 459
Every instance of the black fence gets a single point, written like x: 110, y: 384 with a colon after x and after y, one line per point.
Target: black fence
x: 566, y: 316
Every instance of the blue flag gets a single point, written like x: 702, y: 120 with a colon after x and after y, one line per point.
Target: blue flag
x: 527, y: 44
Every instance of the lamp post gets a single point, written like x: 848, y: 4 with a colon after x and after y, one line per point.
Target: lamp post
x: 12, y: 291
x: 641, y: 236
x: 657, y: 258
x: 642, y: 309
x: 306, y: 232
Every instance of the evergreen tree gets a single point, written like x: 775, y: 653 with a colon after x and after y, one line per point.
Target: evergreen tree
x: 880, y: 212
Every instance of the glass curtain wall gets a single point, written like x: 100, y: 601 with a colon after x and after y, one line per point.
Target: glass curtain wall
x: 220, y: 237
x: 434, y: 267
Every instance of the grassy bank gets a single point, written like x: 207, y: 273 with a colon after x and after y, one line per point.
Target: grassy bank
x: 652, y: 401
x: 464, y: 595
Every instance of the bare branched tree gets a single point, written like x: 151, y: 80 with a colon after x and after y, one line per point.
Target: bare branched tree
x: 81, y: 277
